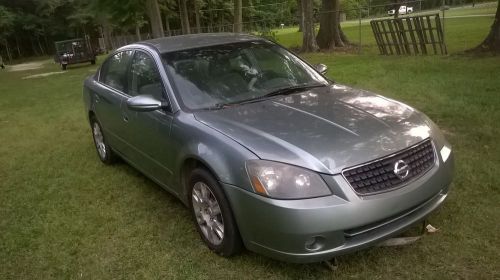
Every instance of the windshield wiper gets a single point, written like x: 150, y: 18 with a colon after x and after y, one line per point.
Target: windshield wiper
x: 281, y: 91
x: 292, y: 89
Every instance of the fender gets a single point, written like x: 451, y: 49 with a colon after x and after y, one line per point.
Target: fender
x: 224, y: 157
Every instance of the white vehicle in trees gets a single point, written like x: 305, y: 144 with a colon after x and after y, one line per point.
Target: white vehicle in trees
x: 403, y: 10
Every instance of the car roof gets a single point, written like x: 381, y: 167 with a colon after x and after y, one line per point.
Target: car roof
x: 192, y: 41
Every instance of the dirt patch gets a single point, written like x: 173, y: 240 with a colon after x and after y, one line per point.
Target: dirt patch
x: 43, y: 75
x: 25, y: 66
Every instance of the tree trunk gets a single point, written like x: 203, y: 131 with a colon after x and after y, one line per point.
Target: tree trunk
x: 184, y: 17
x: 300, y: 14
x: 46, y: 42
x: 48, y: 47
x: 183, y: 28
x: 343, y: 37
x: 35, y: 52
x: 308, y: 38
x: 329, y: 35
x: 167, y: 26
x: 18, y: 47
x: 221, y: 22
x: 238, y: 17
x: 7, y: 49
x: 106, y: 33
x: 396, y: 8
x: 42, y: 51
x: 197, y: 16
x: 138, y: 31
x: 492, y: 41
x: 210, y: 17
x: 153, y: 11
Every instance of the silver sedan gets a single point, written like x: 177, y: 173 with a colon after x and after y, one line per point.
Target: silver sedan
x: 266, y: 152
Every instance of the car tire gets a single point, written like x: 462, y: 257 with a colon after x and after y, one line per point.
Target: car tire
x: 104, y: 151
x: 64, y: 66
x: 212, y: 214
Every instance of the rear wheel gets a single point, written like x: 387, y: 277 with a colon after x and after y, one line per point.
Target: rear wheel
x: 104, y: 151
x: 213, y: 217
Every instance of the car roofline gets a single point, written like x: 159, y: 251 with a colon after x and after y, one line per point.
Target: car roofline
x: 195, y: 41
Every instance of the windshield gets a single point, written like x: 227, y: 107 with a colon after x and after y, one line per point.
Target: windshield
x: 214, y: 76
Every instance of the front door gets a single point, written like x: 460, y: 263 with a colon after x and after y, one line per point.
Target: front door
x: 149, y: 132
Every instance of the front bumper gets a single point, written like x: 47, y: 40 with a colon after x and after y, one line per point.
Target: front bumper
x: 317, y: 229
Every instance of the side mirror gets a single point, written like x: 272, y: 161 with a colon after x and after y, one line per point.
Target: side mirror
x: 321, y: 68
x: 145, y: 103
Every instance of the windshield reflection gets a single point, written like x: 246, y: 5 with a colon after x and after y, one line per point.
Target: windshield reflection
x: 233, y: 73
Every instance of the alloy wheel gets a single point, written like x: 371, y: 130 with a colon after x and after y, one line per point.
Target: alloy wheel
x: 99, y: 140
x: 208, y: 213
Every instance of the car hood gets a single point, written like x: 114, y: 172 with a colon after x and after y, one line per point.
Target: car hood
x: 324, y: 129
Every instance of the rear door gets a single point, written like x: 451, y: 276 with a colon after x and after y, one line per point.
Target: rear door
x: 110, y: 93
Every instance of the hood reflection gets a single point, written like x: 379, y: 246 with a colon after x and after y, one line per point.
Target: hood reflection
x: 324, y: 129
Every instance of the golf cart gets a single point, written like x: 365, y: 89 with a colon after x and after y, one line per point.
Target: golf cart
x: 73, y: 51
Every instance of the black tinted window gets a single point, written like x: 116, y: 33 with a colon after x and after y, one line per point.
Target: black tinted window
x: 144, y: 77
x: 113, y: 72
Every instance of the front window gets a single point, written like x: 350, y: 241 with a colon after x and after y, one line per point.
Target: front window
x: 114, y: 70
x: 144, y: 77
x: 233, y: 73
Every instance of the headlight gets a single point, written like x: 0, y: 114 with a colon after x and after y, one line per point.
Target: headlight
x: 278, y: 180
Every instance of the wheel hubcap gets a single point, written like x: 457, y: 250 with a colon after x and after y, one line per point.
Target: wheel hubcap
x: 208, y: 213
x: 99, y: 140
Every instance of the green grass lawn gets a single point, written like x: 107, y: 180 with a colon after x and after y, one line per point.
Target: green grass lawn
x: 460, y: 33
x: 487, y: 8
x: 63, y: 214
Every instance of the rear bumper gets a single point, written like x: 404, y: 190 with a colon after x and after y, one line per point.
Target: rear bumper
x: 312, y: 230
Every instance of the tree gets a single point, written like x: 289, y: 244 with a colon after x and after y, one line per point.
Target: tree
x: 168, y: 13
x: 197, y: 15
x: 299, y: 11
x: 7, y: 20
x: 184, y: 17
x: 492, y: 41
x: 308, y: 40
x: 153, y: 11
x: 238, y: 17
x: 330, y: 35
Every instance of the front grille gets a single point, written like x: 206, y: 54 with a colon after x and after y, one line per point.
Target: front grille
x: 379, y: 176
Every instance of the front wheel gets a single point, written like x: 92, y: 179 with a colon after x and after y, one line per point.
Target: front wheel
x: 212, y: 214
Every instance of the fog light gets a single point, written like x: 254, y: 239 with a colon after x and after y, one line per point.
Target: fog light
x: 315, y: 243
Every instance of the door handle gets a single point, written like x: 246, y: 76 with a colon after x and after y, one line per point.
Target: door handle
x: 125, y: 117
